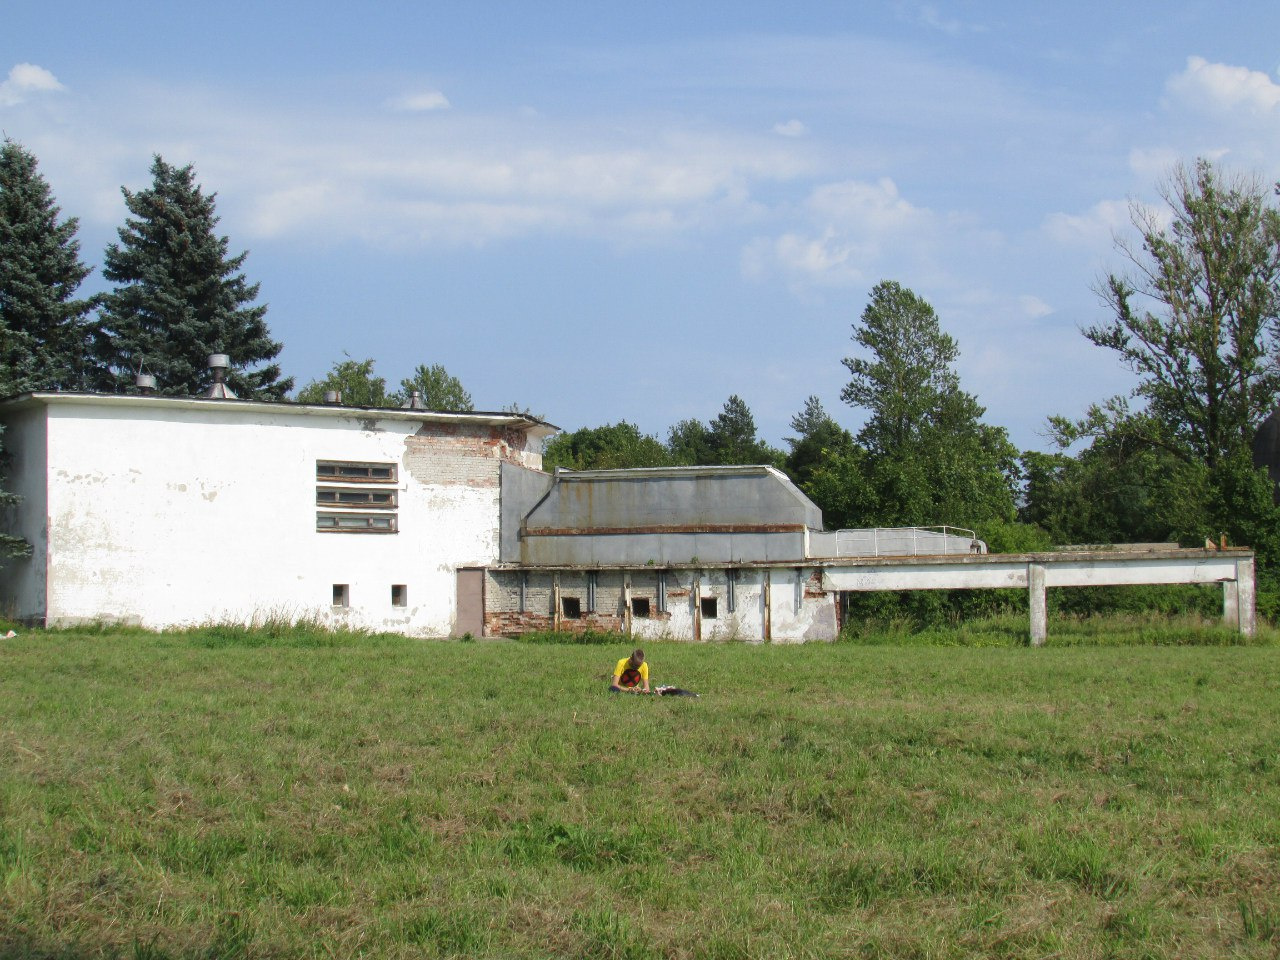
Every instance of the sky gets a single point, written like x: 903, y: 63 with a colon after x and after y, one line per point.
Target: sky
x: 620, y: 211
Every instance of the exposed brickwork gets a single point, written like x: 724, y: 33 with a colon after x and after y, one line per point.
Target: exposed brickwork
x: 459, y: 454
x: 502, y: 600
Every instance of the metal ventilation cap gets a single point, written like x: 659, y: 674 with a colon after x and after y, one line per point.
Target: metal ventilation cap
x: 218, y: 363
x: 145, y: 382
x: 333, y: 396
x: 415, y: 402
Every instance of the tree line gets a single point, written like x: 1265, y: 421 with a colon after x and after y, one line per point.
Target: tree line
x: 1196, y: 318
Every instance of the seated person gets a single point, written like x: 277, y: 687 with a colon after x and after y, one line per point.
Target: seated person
x: 631, y: 672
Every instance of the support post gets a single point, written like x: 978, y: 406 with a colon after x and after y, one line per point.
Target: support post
x: 1231, y: 602
x: 768, y: 605
x: 695, y: 591
x: 555, y: 601
x: 626, y: 602
x: 1037, y: 605
x: 1246, y: 597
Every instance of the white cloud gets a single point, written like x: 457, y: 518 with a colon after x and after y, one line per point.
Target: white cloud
x: 792, y: 128
x: 1092, y: 229
x: 464, y: 179
x: 1221, y: 88
x: 853, y: 224
x: 1033, y: 307
x: 421, y: 102
x: 24, y: 80
x: 929, y: 15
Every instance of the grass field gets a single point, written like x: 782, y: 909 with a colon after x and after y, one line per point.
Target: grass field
x: 230, y: 794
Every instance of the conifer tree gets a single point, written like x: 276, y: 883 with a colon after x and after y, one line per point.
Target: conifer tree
x: 179, y: 297
x: 43, y: 328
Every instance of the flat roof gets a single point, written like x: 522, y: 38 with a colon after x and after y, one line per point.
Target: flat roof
x: 941, y: 560
x: 518, y: 421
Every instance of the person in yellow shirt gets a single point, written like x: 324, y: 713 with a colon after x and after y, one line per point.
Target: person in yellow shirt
x: 630, y: 673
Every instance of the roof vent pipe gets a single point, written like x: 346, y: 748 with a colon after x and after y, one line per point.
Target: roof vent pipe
x: 333, y: 396
x: 146, y: 383
x: 415, y: 402
x: 218, y: 364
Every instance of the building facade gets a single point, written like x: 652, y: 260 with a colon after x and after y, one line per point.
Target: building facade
x: 164, y: 511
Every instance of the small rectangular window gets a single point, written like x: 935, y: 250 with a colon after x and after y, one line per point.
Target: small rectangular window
x: 336, y: 497
x: 341, y: 595
x: 355, y: 523
x: 571, y: 608
x: 640, y: 607
x: 351, y: 472
x: 708, y: 608
x: 399, y: 595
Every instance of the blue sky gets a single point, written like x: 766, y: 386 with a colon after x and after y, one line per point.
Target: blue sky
x: 606, y: 212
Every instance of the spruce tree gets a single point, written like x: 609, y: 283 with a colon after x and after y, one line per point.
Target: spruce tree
x: 43, y: 328
x: 179, y: 297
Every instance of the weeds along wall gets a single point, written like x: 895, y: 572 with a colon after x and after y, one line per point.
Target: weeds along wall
x: 748, y: 603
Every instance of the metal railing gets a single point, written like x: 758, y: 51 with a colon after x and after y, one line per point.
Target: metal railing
x: 907, y: 542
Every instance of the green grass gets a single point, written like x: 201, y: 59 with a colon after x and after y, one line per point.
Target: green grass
x: 223, y: 794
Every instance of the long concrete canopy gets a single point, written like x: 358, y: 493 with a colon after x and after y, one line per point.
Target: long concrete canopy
x: 1233, y: 568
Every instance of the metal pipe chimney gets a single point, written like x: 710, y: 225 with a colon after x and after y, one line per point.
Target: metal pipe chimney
x: 218, y: 364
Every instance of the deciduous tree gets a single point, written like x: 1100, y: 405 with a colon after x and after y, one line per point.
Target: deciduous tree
x: 438, y: 388
x: 179, y: 297
x: 1196, y: 317
x: 610, y: 447
x: 929, y: 457
x: 354, y: 380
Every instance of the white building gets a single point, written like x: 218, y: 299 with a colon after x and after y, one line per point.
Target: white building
x: 165, y: 511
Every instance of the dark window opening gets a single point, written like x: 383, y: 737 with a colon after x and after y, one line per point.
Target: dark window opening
x: 341, y: 595
x: 355, y: 523
x: 357, y: 472
x: 399, y: 595
x: 640, y: 607
x: 708, y: 608
x: 331, y: 496
x: 571, y: 608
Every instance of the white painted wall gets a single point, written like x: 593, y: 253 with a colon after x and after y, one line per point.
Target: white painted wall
x: 185, y: 514
x: 794, y: 614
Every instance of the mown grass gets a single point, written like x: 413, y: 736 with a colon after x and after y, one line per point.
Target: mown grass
x: 212, y: 794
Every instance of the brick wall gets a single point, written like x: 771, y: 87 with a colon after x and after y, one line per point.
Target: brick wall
x: 458, y: 454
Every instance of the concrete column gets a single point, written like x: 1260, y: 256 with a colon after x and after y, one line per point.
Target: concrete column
x: 555, y: 600
x: 1231, y: 602
x: 1039, y: 609
x: 768, y: 605
x: 695, y: 591
x: 1246, y: 597
x: 626, y: 602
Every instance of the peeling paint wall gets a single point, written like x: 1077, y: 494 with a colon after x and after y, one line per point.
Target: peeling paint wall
x: 778, y: 604
x: 168, y: 517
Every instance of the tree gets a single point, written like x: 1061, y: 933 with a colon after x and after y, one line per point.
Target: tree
x: 439, y: 390
x: 1198, y: 322
x: 729, y: 439
x: 179, y: 297
x: 354, y: 380
x: 820, y: 438
x: 611, y: 447
x: 1197, y: 318
x: 929, y: 457
x: 43, y: 328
